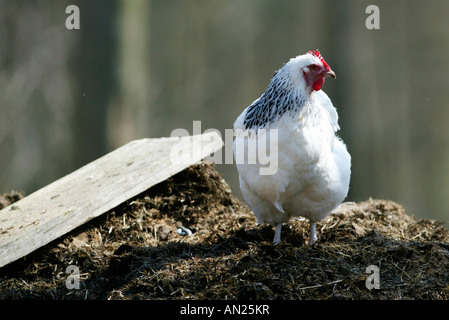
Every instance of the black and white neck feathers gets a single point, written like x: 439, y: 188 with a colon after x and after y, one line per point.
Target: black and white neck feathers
x: 280, y: 98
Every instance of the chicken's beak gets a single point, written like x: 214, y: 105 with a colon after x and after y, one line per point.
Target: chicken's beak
x: 330, y: 73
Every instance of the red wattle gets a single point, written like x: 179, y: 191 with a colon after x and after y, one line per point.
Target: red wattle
x: 318, y: 84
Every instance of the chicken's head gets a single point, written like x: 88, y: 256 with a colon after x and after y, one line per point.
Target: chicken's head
x: 308, y: 71
x: 317, y: 71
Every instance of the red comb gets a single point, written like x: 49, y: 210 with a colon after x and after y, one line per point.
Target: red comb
x: 318, y: 55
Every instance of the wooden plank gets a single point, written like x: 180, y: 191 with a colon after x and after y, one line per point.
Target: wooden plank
x: 96, y: 188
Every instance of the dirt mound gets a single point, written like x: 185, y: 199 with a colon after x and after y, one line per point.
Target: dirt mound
x: 139, y: 251
x: 8, y: 198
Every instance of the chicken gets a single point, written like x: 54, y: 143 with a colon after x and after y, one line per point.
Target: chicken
x: 295, y: 124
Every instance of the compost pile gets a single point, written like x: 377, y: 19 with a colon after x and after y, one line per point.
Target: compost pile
x: 139, y: 251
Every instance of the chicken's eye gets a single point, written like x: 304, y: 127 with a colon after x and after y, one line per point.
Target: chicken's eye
x: 313, y: 67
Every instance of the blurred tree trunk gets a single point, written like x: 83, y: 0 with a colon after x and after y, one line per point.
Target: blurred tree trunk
x: 360, y: 108
x: 385, y: 101
x: 130, y: 115
x: 95, y: 75
x: 36, y: 94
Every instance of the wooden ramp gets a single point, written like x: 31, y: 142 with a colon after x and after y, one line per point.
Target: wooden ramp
x: 94, y: 189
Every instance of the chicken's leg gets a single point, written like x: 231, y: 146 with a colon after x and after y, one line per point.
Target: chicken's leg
x: 277, y: 234
x: 312, y: 237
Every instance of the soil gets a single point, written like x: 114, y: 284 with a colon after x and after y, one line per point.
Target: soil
x: 135, y: 252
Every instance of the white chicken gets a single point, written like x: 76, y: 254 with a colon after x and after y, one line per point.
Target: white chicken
x: 297, y: 123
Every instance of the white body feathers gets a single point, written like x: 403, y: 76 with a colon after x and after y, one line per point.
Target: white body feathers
x: 313, y: 165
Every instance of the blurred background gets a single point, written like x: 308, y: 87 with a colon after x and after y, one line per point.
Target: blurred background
x: 141, y: 68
